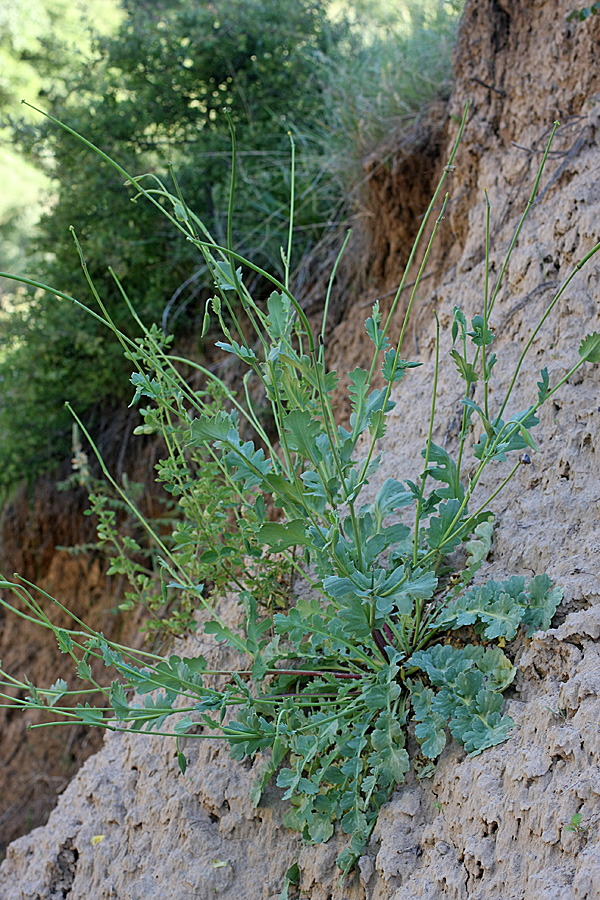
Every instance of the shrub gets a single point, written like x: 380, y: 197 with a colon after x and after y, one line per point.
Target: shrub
x: 391, y: 65
x: 377, y: 646
x: 153, y: 92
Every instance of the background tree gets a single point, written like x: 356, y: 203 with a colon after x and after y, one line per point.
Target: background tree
x: 154, y: 95
x: 41, y: 43
x: 335, y: 74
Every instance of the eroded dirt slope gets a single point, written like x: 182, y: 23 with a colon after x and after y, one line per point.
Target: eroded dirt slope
x: 492, y: 827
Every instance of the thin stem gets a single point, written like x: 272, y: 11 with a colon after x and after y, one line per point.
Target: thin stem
x: 486, y: 311
x: 402, y: 333
x: 463, y: 427
x: 328, y: 296
x: 429, y: 437
x: 522, y: 220
x: 551, y: 306
x: 288, y: 258
x: 313, y: 673
x: 448, y: 168
x: 228, y: 252
x: 493, y: 496
x: 185, y: 579
x: 248, y: 414
x: 184, y: 206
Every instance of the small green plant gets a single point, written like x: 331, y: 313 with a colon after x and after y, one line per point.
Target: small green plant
x: 388, y: 637
x: 584, y: 13
x: 559, y: 713
x: 576, y: 826
x: 203, y: 527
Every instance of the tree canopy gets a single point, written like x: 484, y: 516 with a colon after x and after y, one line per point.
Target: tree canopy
x: 149, y: 88
x: 151, y: 95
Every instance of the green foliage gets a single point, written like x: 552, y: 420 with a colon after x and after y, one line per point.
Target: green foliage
x: 203, y: 522
x: 334, y: 684
x: 42, y: 42
x: 584, y: 13
x: 590, y: 347
x: 496, y: 610
x: 156, y: 90
x: 575, y: 825
x: 396, y: 60
x: 153, y: 90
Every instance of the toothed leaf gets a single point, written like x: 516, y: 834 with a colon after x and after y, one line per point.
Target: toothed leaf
x: 396, y: 372
x: 543, y: 603
x: 466, y: 369
x: 590, y: 347
x: 543, y: 385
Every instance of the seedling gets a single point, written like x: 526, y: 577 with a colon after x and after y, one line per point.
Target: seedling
x: 576, y: 826
x: 559, y: 713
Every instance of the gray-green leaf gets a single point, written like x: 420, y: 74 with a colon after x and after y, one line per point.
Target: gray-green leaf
x: 590, y: 347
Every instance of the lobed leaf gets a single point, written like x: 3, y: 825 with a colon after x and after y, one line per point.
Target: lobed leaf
x: 374, y: 331
x: 118, y: 701
x: 64, y: 639
x: 430, y: 728
x: 247, y: 464
x: 543, y: 603
x: 466, y: 369
x: 394, y: 370
x: 280, y: 316
x: 477, y: 549
x: 303, y: 431
x: 391, y: 496
x: 497, y: 670
x: 543, y: 385
x: 499, y: 608
x: 366, y: 409
x: 224, y: 277
x: 589, y: 348
x: 441, y: 467
x: 442, y: 534
x: 244, y: 353
x: 210, y: 428
x: 389, y: 757
x: 481, y: 334
x: 90, y: 715
x: 442, y: 663
x: 144, y: 387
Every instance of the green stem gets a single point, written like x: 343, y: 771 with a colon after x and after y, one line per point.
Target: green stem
x: 402, y: 333
x: 328, y: 296
x: 486, y: 311
x: 155, y: 537
x: 210, y: 244
x: 288, y: 259
x: 551, y: 306
x: 447, y: 169
x: 190, y: 221
x: 522, y: 220
x: 429, y: 438
x: 463, y: 427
